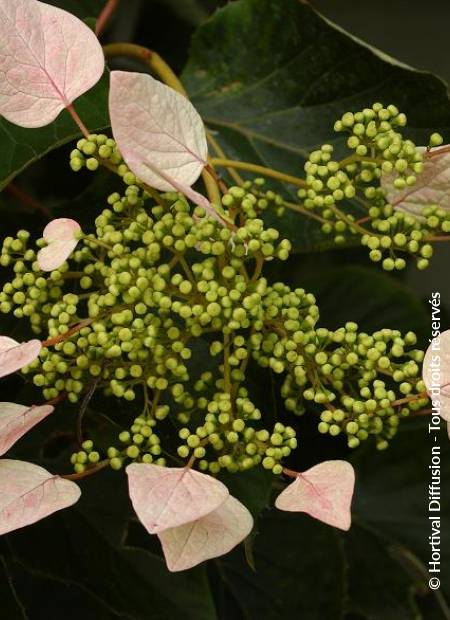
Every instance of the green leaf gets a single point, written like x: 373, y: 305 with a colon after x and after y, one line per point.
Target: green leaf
x: 20, y: 147
x: 190, y: 11
x: 392, y: 493
x: 87, y: 546
x: 300, y: 571
x: 378, y: 586
x: 270, y: 78
x: 45, y: 597
x: 252, y: 488
x: 372, y: 298
x: 80, y: 8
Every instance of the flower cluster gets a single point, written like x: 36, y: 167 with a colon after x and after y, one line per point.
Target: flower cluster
x: 155, y: 281
x: 361, y: 195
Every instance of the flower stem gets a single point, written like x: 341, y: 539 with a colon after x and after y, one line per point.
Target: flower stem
x: 87, y: 472
x: 84, y: 130
x: 61, y: 337
x: 153, y: 61
x: 221, y: 153
x: 268, y: 172
x: 27, y: 200
x: 291, y: 473
x: 105, y: 16
x: 298, y: 209
x: 438, y: 238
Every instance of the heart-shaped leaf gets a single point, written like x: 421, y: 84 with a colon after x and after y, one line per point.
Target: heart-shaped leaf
x: 436, y: 372
x: 166, y: 497
x: 159, y: 132
x: 61, y: 236
x: 431, y: 188
x: 209, y: 537
x: 325, y: 492
x: 16, y: 420
x: 14, y: 356
x: 49, y: 58
x: 29, y: 493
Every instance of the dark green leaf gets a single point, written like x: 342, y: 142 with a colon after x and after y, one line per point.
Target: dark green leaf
x: 392, y: 492
x: 20, y: 147
x: 300, y: 571
x: 378, y: 585
x: 370, y: 297
x: 44, y: 597
x: 86, y: 546
x: 191, y: 11
x: 252, y: 488
x: 271, y: 78
x: 80, y: 8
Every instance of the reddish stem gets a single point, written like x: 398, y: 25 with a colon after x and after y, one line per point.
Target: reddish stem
x: 105, y: 16
x: 439, y: 238
x: 87, y: 472
x: 27, y: 200
x: 78, y: 120
x: 62, y: 396
x: 421, y: 412
x: 363, y: 220
x: 408, y: 399
x: 61, y: 337
x: 291, y: 473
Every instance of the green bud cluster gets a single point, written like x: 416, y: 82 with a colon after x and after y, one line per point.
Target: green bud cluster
x: 231, y: 436
x: 340, y: 189
x: 96, y: 149
x: 364, y: 382
x: 155, y: 281
x: 396, y: 232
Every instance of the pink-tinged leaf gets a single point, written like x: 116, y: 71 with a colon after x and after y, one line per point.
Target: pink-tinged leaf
x: 28, y: 493
x: 48, y: 58
x: 209, y: 537
x: 61, y: 237
x: 325, y: 492
x: 431, y: 188
x: 16, y: 420
x: 436, y: 372
x: 14, y: 356
x: 158, y: 131
x: 195, y: 197
x: 166, y: 497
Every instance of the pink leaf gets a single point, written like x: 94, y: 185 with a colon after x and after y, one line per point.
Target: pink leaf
x: 436, y: 372
x: 209, y: 537
x: 14, y: 356
x: 159, y: 133
x: 61, y: 236
x: 166, y: 497
x: 431, y: 188
x: 48, y: 58
x: 325, y: 492
x: 190, y: 193
x: 16, y: 420
x: 29, y: 493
